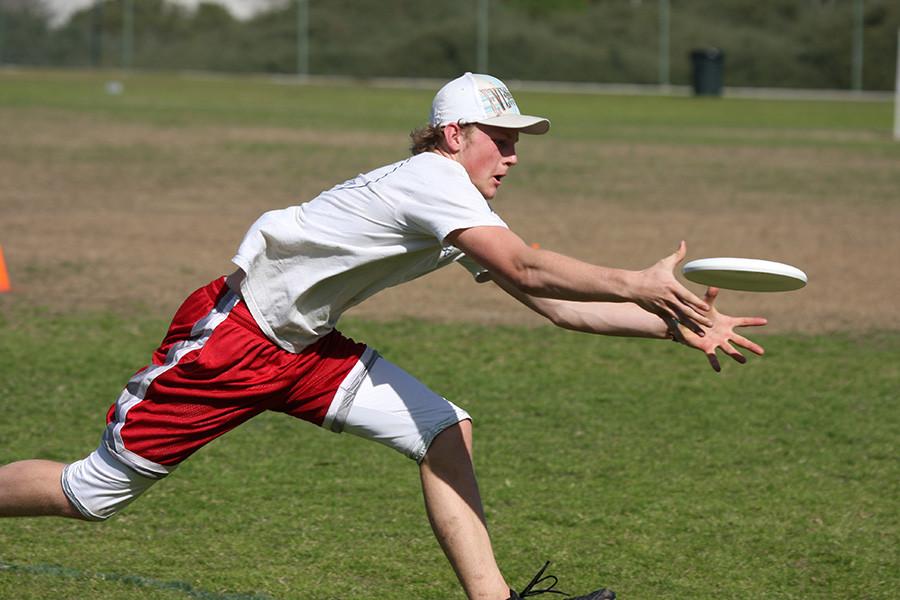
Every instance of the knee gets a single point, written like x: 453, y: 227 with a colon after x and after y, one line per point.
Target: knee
x: 451, y: 447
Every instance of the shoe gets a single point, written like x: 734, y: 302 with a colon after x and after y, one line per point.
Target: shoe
x: 552, y: 580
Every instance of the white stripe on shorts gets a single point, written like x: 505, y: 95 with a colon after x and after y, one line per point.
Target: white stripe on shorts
x: 136, y: 389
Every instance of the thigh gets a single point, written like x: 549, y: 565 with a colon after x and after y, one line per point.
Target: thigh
x: 215, y: 370
x: 390, y: 406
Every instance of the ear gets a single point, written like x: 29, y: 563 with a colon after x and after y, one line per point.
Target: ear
x: 453, y: 137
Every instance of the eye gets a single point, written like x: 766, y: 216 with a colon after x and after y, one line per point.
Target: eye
x: 502, y: 144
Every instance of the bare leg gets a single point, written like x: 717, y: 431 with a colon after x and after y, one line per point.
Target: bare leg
x: 32, y: 488
x: 457, y: 518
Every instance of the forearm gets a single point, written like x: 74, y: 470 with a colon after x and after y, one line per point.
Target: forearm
x: 546, y: 274
x: 606, y: 318
x: 541, y: 273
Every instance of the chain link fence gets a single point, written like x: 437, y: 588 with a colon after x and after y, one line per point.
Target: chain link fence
x: 812, y: 44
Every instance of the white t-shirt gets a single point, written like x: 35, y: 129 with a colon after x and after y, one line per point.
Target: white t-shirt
x: 307, y: 264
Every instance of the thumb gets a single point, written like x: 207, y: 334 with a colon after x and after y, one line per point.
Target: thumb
x: 711, y: 294
x: 669, y: 262
x: 679, y: 253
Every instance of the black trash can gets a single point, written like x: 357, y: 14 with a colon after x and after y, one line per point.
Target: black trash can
x: 707, y: 66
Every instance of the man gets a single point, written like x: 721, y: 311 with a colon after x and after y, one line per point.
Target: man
x: 264, y: 338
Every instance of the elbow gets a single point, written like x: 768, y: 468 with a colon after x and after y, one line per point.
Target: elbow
x: 564, y: 318
x: 558, y: 319
x: 530, y: 272
x: 524, y: 271
x: 525, y: 280
x: 559, y: 313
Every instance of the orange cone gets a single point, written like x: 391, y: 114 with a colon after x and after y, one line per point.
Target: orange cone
x: 4, y: 275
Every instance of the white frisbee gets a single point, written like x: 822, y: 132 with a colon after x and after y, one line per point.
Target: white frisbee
x: 745, y: 274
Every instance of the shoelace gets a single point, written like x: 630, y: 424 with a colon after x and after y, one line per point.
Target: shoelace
x: 539, y: 579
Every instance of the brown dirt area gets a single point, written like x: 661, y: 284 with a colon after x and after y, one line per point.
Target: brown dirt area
x: 124, y: 217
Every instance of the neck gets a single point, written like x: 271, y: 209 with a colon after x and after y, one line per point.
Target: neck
x: 445, y: 153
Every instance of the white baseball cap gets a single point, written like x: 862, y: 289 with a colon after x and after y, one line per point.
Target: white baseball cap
x: 476, y: 98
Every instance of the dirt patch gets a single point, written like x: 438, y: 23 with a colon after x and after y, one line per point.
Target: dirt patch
x: 102, y: 216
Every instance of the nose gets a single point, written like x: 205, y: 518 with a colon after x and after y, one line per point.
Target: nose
x: 510, y: 157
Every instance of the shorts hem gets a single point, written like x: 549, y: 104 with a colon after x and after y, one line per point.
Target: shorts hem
x: 74, y: 501
x: 421, y: 450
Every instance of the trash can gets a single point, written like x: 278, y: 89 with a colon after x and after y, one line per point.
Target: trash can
x: 707, y: 66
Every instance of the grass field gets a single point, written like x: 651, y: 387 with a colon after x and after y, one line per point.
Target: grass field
x: 627, y: 463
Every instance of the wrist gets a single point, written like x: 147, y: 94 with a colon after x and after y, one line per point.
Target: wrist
x: 628, y: 285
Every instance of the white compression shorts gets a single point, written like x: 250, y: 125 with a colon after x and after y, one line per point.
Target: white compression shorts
x: 391, y: 407
x: 381, y: 402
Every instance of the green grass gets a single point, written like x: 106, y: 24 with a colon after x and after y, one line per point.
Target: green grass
x: 170, y: 100
x: 628, y: 463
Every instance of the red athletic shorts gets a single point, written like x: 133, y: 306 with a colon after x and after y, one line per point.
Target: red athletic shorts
x: 214, y: 370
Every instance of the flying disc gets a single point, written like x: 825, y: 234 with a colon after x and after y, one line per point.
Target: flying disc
x: 745, y: 274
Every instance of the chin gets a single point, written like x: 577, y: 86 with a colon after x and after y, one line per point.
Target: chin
x: 489, y: 193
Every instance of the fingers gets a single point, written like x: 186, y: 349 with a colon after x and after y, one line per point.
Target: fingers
x: 727, y: 349
x: 679, y: 315
x: 674, y: 328
x: 670, y: 311
x: 733, y: 353
x: 711, y: 294
x: 688, y: 309
x: 689, y: 297
x: 692, y: 311
x: 749, y: 345
x: 751, y: 322
x: 696, y: 304
x: 692, y: 316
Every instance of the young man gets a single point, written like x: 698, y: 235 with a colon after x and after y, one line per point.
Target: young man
x: 264, y: 338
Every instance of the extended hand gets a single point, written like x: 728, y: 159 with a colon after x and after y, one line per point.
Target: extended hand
x: 720, y: 334
x: 659, y: 292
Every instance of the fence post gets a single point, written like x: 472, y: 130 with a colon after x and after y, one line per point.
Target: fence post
x: 127, y: 33
x: 858, y: 24
x: 97, y: 33
x: 664, y: 43
x: 482, y: 36
x: 897, y: 92
x: 302, y: 38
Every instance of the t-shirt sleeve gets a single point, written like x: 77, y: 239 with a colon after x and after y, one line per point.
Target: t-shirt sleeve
x: 254, y: 241
x: 445, y: 200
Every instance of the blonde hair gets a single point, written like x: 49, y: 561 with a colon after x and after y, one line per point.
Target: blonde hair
x: 430, y: 137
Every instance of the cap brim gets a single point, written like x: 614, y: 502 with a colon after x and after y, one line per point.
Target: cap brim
x: 523, y: 123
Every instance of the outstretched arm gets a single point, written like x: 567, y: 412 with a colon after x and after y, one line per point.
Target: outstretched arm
x: 626, y: 319
x: 544, y: 274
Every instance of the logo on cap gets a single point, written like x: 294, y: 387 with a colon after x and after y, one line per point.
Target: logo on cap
x: 495, y: 97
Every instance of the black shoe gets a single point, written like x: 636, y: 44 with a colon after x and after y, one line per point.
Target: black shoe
x: 540, y: 578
